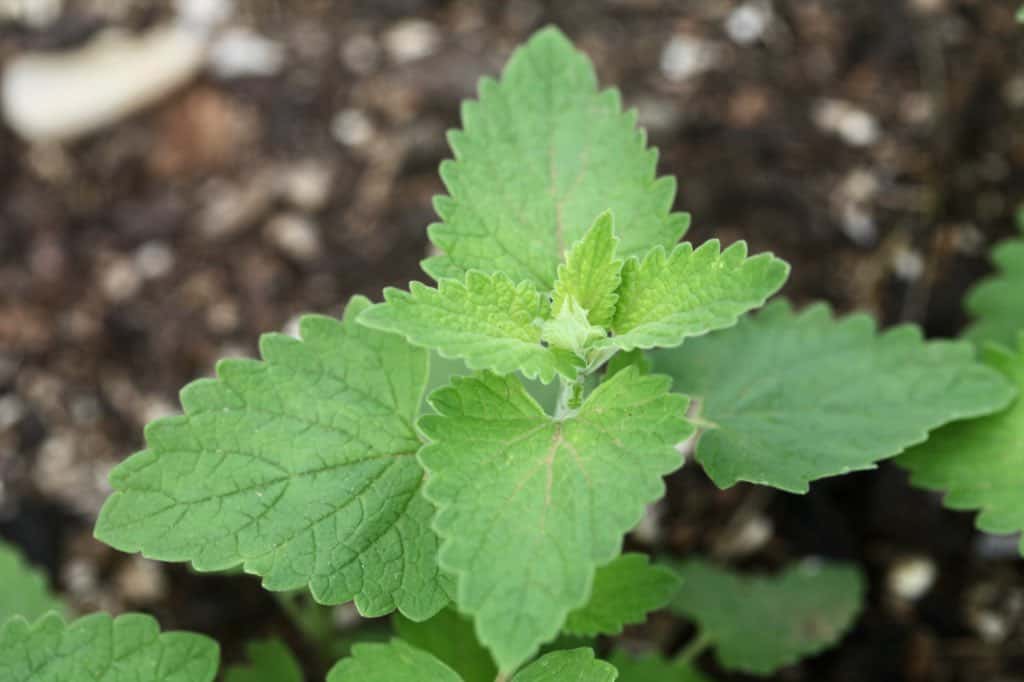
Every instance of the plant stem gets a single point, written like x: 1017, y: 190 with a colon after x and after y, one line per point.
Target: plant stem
x: 693, y: 649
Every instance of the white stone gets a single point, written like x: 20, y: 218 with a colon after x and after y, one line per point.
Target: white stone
x: 684, y: 57
x: 154, y: 260
x: 853, y: 125
x: 746, y: 24
x: 412, y: 39
x: 240, y: 53
x: 293, y: 234
x: 352, y: 128
x: 908, y: 264
x: 911, y: 578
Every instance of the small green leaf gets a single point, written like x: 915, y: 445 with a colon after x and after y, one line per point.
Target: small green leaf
x: 23, y: 589
x: 789, y: 398
x: 540, y: 155
x: 574, y: 665
x: 529, y: 506
x: 590, y: 274
x: 759, y: 624
x: 302, y: 467
x: 449, y: 636
x: 665, y: 299
x: 980, y: 463
x: 570, y: 329
x: 633, y: 358
x: 99, y: 648
x: 653, y: 668
x: 395, y: 661
x: 997, y: 303
x: 271, y: 661
x: 624, y: 592
x: 488, y: 321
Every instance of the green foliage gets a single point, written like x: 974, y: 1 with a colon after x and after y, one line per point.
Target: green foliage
x: 654, y: 668
x: 540, y: 155
x: 449, y: 636
x: 788, y: 398
x: 23, y: 589
x: 529, y: 506
x: 576, y: 665
x: 591, y: 274
x: 997, y: 303
x: 624, y: 592
x: 270, y: 661
x: 759, y: 624
x: 99, y: 648
x: 302, y: 467
x: 979, y: 463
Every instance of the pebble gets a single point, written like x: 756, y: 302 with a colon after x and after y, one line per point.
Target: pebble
x: 411, y: 40
x: 223, y: 317
x: 746, y: 24
x: 684, y: 57
x: 360, y: 54
x: 154, y: 260
x: 854, y: 126
x: 750, y: 536
x: 141, y: 581
x: 307, y: 185
x: 911, y: 578
x: 352, y: 128
x: 120, y: 280
x: 907, y: 264
x: 241, y: 53
x: 36, y: 14
x: 294, y: 234
x: 12, y: 409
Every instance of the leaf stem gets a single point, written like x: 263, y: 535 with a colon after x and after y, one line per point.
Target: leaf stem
x: 694, y: 649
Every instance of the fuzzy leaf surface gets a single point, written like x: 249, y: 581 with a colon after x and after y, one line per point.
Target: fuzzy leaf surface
x: 487, y: 320
x: 573, y: 665
x: 759, y: 624
x: 979, y: 463
x: 449, y: 636
x: 653, y: 668
x: 23, y: 588
x: 624, y: 592
x: 997, y: 303
x: 591, y: 274
x: 99, y: 648
x: 270, y: 661
x: 794, y: 397
x: 540, y: 155
x: 301, y: 467
x: 395, y: 661
x: 668, y: 297
x: 528, y: 506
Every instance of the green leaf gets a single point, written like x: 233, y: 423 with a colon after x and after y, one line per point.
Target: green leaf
x: 302, y: 467
x: 395, y: 661
x: 591, y: 273
x: 23, y: 588
x: 980, y: 463
x: 997, y: 303
x: 788, y: 398
x: 575, y: 665
x: 449, y: 636
x: 529, y: 506
x: 624, y: 592
x: 653, y: 668
x: 665, y: 299
x: 99, y: 648
x: 759, y: 624
x: 488, y: 320
x: 271, y: 661
x: 540, y: 155
x: 570, y: 329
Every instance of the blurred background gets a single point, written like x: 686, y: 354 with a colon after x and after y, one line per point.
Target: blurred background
x: 188, y: 175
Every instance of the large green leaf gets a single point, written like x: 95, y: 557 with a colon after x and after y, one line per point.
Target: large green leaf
x: 759, y: 624
x: 980, y: 463
x: 395, y: 661
x: 529, y: 506
x: 540, y: 155
x: 653, y: 668
x: 666, y: 298
x: 591, y: 274
x: 23, y: 589
x: 302, y: 467
x: 788, y: 398
x: 997, y: 303
x: 574, y: 665
x: 624, y: 592
x: 449, y: 636
x: 270, y: 661
x: 99, y: 648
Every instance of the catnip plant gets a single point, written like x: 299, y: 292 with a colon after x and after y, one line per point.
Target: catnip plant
x: 575, y: 348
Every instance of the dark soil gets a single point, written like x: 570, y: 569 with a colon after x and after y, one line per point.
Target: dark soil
x: 133, y: 259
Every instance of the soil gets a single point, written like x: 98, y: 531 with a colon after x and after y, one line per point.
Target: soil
x: 877, y: 146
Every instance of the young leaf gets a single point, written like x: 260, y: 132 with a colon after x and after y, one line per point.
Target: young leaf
x: 540, y: 155
x: 591, y: 274
x: 789, y: 398
x: 271, y: 661
x: 395, y: 661
x: 99, y: 648
x: 529, y: 506
x: 980, y: 463
x: 570, y: 329
x: 624, y: 592
x: 997, y: 303
x: 574, y: 665
x: 665, y: 299
x: 449, y: 636
x: 23, y: 589
x: 488, y: 320
x: 653, y: 668
x: 302, y: 467
x: 759, y: 624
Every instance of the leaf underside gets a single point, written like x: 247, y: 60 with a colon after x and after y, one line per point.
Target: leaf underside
x: 997, y: 303
x: 653, y: 668
x: 529, y: 506
x: 301, y: 467
x: 23, y: 588
x: 759, y: 624
x: 539, y: 156
x: 796, y: 397
x: 99, y: 648
x: 980, y: 463
x: 270, y: 661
